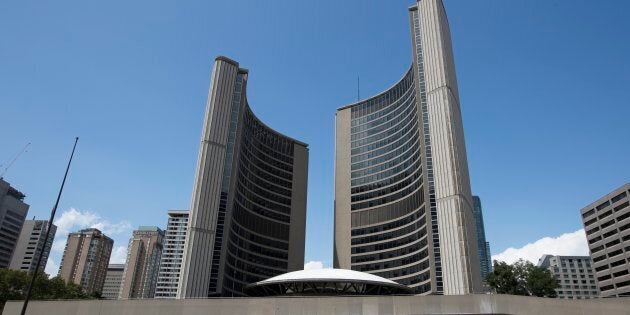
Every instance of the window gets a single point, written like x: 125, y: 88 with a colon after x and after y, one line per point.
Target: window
x: 588, y: 213
x: 619, y: 197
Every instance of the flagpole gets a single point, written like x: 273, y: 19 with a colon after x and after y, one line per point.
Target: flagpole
x: 50, y: 222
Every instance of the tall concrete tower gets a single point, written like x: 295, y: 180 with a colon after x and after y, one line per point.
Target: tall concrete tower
x: 248, y: 211
x: 403, y: 204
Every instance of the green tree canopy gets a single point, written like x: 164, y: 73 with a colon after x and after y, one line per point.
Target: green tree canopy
x: 14, y: 284
x: 522, y: 278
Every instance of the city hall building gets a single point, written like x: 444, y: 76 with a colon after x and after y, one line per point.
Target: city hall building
x: 247, y: 219
x: 403, y: 203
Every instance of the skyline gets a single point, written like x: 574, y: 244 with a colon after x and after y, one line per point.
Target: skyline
x: 135, y: 163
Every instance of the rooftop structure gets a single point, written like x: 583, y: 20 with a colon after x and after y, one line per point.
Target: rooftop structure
x: 326, y: 282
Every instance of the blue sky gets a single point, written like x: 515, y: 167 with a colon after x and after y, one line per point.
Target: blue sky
x: 544, y: 88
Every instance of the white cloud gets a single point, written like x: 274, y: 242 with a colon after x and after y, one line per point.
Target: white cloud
x: 52, y: 267
x: 73, y: 220
x: 119, y: 255
x: 312, y: 265
x: 567, y: 244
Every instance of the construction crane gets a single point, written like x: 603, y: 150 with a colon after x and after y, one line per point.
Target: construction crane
x: 14, y: 159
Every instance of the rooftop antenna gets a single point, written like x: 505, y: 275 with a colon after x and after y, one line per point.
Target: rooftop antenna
x: 358, y: 89
x: 14, y: 159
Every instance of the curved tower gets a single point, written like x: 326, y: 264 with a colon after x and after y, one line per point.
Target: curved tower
x: 403, y: 206
x: 248, y: 208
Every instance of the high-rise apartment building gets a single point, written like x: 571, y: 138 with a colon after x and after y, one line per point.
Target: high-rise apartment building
x: 31, y: 244
x: 248, y: 209
x: 143, y: 263
x: 607, y: 225
x: 575, y: 276
x: 13, y: 211
x: 113, y: 281
x: 483, y: 247
x: 172, y: 253
x: 86, y: 258
x: 403, y: 204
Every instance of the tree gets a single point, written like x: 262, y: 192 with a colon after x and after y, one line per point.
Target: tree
x: 14, y: 285
x: 522, y: 278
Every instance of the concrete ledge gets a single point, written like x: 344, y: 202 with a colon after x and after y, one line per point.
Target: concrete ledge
x: 394, y: 305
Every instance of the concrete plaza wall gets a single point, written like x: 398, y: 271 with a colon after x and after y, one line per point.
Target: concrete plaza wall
x: 394, y: 305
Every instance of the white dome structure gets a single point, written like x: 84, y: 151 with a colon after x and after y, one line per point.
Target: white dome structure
x: 326, y: 282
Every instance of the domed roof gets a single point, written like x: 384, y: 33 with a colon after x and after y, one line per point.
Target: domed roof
x: 327, y: 274
x: 326, y: 282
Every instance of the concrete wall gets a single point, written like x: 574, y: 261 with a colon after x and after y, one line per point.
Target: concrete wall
x: 400, y: 305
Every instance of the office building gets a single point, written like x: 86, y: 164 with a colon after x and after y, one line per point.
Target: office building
x: 85, y: 259
x: 113, y: 281
x: 172, y: 253
x: 31, y: 244
x: 248, y: 208
x: 574, y: 274
x: 607, y: 226
x: 403, y: 204
x: 143, y: 263
x: 13, y: 211
x: 483, y: 247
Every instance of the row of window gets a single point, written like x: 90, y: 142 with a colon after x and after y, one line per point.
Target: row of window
x: 277, y: 145
x: 388, y: 190
x: 262, y: 191
x: 411, y: 145
x: 414, y: 169
x: 402, y: 107
x: 259, y: 239
x: 248, y: 160
x: 380, y: 237
x: 262, y: 201
x: 259, y: 225
x: 400, y: 133
x: 605, y: 204
x: 388, y: 212
x: 384, y: 131
x: 391, y: 254
x: 390, y: 225
x: 406, y: 139
x: 414, y: 160
x: 385, y: 166
x: 388, y: 245
x: 379, y: 106
x: 389, y: 198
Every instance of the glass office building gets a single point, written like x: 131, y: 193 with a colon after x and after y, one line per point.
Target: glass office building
x: 483, y: 247
x: 248, y: 210
x: 403, y: 206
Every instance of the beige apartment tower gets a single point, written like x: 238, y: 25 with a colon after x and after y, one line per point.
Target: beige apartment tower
x: 143, y: 263
x: 403, y: 204
x: 248, y: 210
x: 607, y: 226
x: 31, y: 244
x: 85, y: 259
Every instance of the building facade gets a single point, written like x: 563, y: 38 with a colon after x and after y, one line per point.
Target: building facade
x: 13, y: 211
x: 113, y: 281
x: 575, y: 276
x: 403, y: 204
x: 86, y: 258
x: 248, y: 209
x: 31, y: 244
x: 483, y: 247
x: 143, y: 263
x: 171, y: 262
x: 607, y: 226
